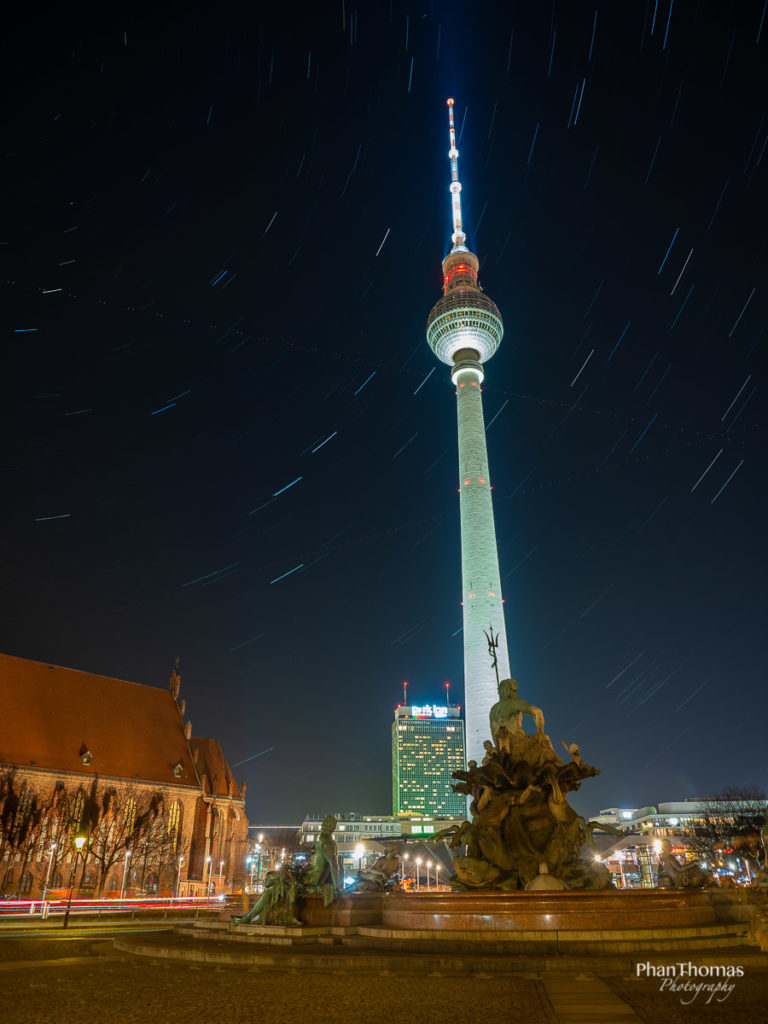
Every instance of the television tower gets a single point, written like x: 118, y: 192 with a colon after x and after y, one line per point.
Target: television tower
x: 464, y: 329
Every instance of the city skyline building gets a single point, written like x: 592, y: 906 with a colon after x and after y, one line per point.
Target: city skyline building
x: 427, y: 747
x: 464, y: 329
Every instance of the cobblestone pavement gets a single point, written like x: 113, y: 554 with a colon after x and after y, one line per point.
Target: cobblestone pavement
x: 93, y: 982
x: 85, y: 979
x: 748, y: 1002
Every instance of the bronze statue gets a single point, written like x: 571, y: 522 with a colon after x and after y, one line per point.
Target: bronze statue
x: 521, y: 818
x: 573, y: 750
x: 377, y: 876
x: 284, y: 885
x: 679, y: 876
x: 322, y: 873
x: 507, y: 714
x: 276, y: 903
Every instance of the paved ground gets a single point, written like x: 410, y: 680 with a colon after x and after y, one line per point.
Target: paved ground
x: 83, y: 978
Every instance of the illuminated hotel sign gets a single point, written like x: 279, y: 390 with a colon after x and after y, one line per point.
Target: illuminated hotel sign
x: 429, y: 711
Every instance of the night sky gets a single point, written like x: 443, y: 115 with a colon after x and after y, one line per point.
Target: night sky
x: 225, y: 437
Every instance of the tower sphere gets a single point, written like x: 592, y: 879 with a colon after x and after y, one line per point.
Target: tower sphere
x: 464, y: 320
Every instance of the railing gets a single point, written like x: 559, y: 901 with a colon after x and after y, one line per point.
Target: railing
x: 44, y: 909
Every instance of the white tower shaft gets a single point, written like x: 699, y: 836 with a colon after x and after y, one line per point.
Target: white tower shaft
x: 464, y: 329
x: 481, y: 586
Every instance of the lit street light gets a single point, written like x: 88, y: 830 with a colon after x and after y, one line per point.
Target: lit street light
x: 418, y: 878
x: 79, y: 844
x: 208, y: 885
x: 125, y: 869
x: 221, y: 874
x: 48, y: 869
x: 657, y: 851
x: 178, y: 877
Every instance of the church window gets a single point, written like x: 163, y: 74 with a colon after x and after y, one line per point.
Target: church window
x: 174, y: 821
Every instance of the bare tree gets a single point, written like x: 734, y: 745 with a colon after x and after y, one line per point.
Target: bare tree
x: 20, y: 815
x: 121, y: 824
x: 731, y: 822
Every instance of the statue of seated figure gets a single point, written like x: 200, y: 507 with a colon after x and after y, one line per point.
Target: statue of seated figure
x: 506, y: 716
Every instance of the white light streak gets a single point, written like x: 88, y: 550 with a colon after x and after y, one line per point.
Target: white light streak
x: 289, y: 573
x: 733, y: 474
x: 287, y: 486
x: 741, y: 314
x: 418, y: 389
x: 324, y: 442
x: 582, y: 367
x: 677, y: 282
x: 386, y: 236
x: 706, y: 470
x: 749, y: 378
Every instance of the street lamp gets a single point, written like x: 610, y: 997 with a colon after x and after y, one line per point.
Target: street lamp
x: 178, y: 877
x: 437, y: 876
x: 208, y: 885
x: 125, y: 868
x: 429, y: 865
x: 79, y: 844
x: 657, y: 851
x: 359, y: 851
x: 221, y: 873
x: 418, y: 879
x: 48, y: 869
x: 404, y: 867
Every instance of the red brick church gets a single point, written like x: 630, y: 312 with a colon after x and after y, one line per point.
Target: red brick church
x: 113, y: 765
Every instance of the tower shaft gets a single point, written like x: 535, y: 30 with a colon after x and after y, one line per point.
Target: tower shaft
x: 481, y: 584
x: 464, y: 329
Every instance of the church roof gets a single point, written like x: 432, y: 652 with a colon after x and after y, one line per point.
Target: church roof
x: 53, y: 717
x: 211, y: 760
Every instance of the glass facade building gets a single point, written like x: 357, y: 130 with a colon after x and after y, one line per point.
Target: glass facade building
x: 427, y: 746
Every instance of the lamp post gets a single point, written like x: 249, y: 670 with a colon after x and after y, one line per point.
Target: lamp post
x: 437, y: 876
x: 48, y: 869
x: 657, y: 851
x: 404, y: 866
x: 79, y: 844
x: 125, y: 869
x: 429, y: 865
x: 259, y: 850
x: 418, y: 877
x: 178, y: 876
x: 207, y: 886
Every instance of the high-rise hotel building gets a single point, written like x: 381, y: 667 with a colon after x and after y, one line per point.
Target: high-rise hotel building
x: 427, y: 746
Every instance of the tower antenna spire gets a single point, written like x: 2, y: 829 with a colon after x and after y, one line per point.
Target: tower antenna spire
x: 458, y: 236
